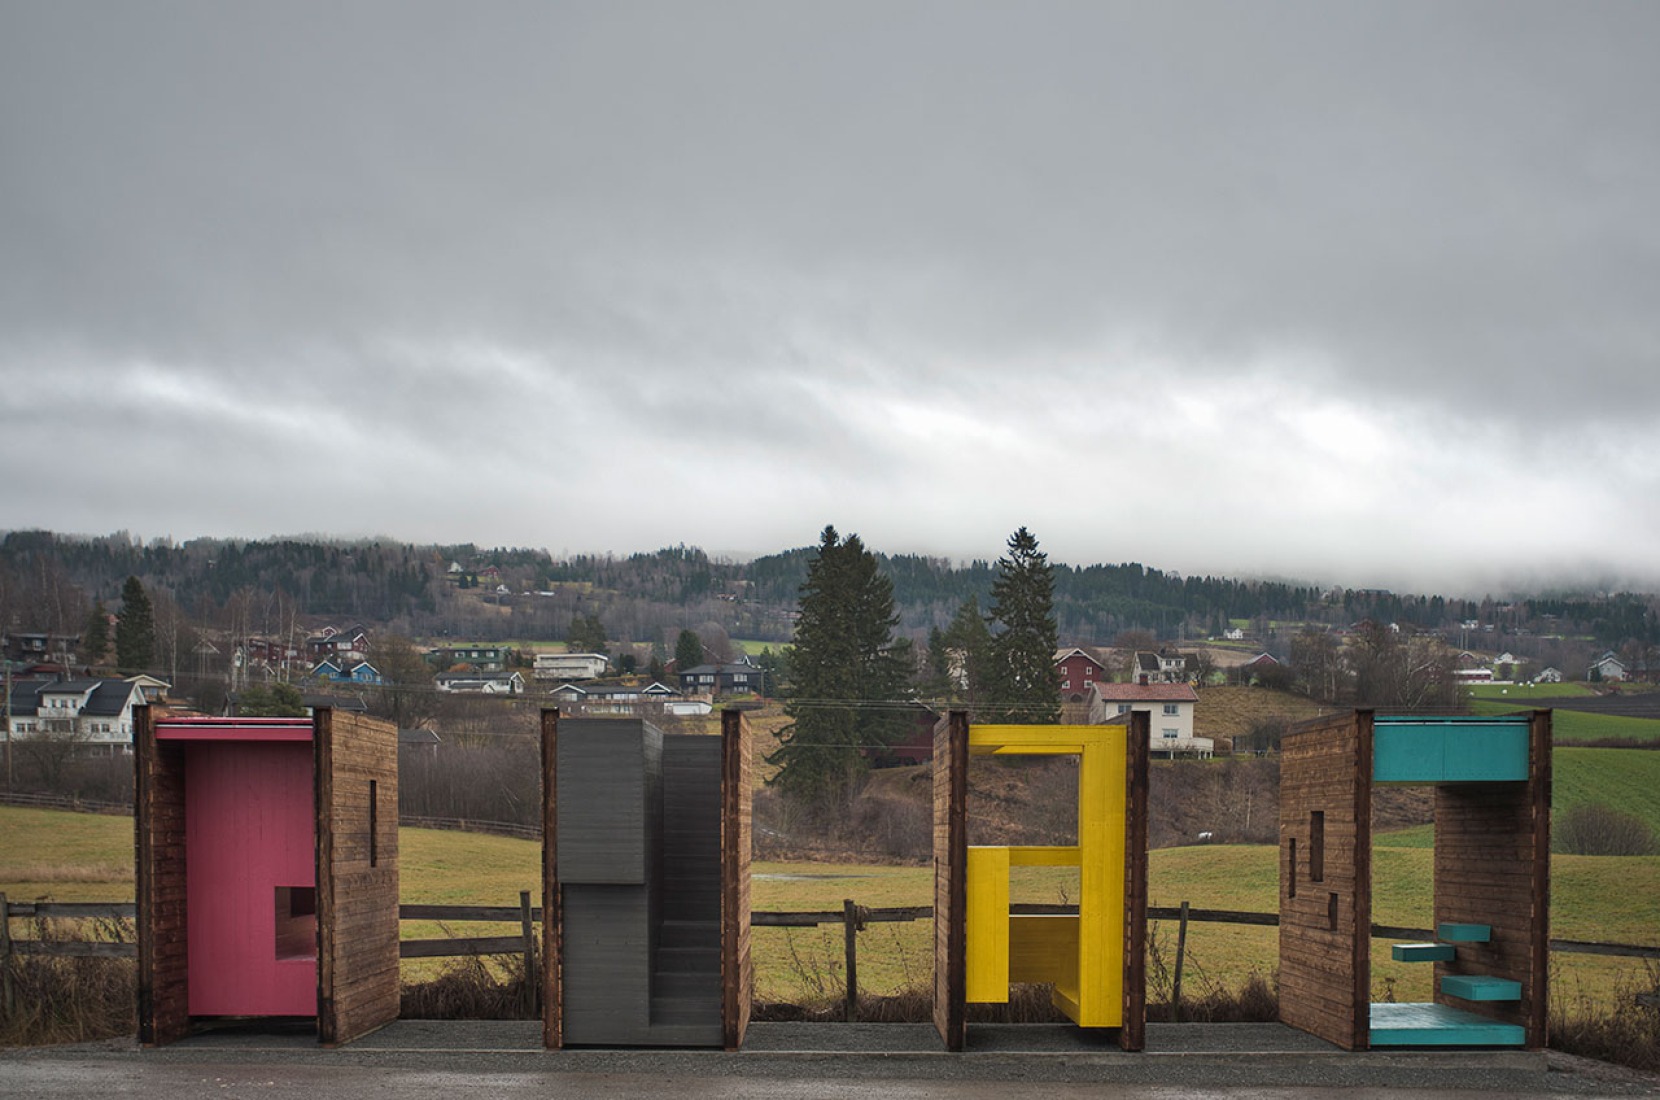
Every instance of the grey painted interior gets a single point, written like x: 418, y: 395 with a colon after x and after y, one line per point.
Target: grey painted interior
x: 639, y: 864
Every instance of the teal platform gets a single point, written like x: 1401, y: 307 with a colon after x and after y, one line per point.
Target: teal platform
x: 1422, y: 952
x: 1463, y: 933
x: 1477, y: 987
x: 1422, y: 1025
x: 1450, y: 750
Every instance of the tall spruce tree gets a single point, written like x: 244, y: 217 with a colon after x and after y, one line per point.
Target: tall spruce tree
x: 135, y: 629
x: 960, y: 655
x: 95, y: 639
x: 688, y: 651
x: 1022, y: 685
x: 848, y: 674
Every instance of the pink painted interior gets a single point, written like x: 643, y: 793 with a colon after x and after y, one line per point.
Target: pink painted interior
x: 248, y: 831
x: 234, y: 729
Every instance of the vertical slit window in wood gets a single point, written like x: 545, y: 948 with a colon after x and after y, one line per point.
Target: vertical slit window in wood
x: 1291, y: 877
x: 374, y: 823
x: 1331, y: 912
x: 1317, y: 846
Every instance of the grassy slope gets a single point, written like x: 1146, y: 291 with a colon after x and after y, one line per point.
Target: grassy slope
x: 1627, y: 780
x: 1568, y: 726
x: 1229, y: 711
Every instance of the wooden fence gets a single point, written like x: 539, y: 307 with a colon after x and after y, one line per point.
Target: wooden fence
x: 851, y: 916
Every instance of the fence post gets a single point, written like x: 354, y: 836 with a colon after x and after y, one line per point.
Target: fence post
x: 528, y: 994
x: 7, y: 993
x: 850, y: 931
x: 1176, y: 982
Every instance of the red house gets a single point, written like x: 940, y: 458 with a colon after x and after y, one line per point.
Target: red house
x: 1079, y: 671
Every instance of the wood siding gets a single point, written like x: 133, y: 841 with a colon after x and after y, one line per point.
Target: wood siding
x: 357, y: 874
x: 1325, y: 924
x: 1492, y: 867
x: 553, y: 917
x: 159, y: 865
x: 951, y: 879
x: 1132, y: 1033
x: 737, y: 825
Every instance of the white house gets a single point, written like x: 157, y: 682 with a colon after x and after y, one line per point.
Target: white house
x: 570, y: 666
x: 481, y: 683
x: 1607, y: 667
x: 1169, y: 708
x: 1552, y: 675
x: 89, y: 711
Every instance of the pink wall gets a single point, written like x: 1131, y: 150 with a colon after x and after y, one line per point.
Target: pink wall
x: 249, y: 825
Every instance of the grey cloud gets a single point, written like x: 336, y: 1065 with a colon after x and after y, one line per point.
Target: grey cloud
x: 718, y: 229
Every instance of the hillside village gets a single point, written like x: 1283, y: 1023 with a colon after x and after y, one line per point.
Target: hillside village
x: 66, y: 690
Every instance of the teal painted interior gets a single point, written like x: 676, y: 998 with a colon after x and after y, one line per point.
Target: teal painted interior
x: 1422, y: 952
x: 1450, y: 750
x: 1477, y: 987
x: 1423, y: 1025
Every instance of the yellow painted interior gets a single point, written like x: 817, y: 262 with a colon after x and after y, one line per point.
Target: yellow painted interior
x: 1083, y: 956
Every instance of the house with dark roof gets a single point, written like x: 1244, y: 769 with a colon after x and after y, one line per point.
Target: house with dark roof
x: 96, y: 712
x: 737, y: 678
x: 481, y: 683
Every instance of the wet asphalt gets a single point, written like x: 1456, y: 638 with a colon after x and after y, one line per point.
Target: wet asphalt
x: 482, y: 1060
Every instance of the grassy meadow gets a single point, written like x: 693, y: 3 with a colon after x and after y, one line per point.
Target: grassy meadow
x: 87, y: 857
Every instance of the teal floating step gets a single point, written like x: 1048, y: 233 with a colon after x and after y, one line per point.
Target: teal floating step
x: 1422, y: 952
x: 1476, y: 987
x: 1464, y: 933
x: 1420, y: 1025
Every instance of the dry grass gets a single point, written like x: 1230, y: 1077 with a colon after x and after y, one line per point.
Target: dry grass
x: 69, y: 1000
x: 467, y: 988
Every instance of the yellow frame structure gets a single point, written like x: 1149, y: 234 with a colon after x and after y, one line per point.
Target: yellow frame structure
x: 1082, y: 955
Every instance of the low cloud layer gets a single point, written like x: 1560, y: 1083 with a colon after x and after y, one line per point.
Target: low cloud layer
x: 1357, y: 294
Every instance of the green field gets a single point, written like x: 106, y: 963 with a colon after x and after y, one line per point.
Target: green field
x: 85, y: 857
x: 1570, y: 726
x: 1627, y: 780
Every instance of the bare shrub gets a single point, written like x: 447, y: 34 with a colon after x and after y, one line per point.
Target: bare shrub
x: 468, y: 988
x: 1594, y: 829
x: 70, y: 1000
x: 1609, y: 1029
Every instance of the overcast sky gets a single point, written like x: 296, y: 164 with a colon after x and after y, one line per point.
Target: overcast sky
x: 1361, y: 294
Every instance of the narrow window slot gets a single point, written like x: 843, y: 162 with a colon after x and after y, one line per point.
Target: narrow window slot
x: 1317, y: 846
x: 1291, y: 879
x: 374, y: 823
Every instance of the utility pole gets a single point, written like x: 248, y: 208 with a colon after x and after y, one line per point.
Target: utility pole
x: 8, y: 722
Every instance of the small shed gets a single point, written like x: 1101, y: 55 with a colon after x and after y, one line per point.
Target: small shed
x: 267, y: 871
x: 1492, y: 781
x: 646, y: 847
x: 1095, y: 959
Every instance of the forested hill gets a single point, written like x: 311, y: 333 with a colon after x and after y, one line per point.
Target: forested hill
x: 48, y: 582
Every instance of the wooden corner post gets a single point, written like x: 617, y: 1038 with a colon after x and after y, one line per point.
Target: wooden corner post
x: 1132, y: 1032
x: 552, y: 925
x: 159, y: 870
x: 951, y: 879
x: 737, y: 799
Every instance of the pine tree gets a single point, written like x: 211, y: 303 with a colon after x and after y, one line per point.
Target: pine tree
x: 1021, y: 680
x: 135, y: 629
x: 848, y: 674
x: 95, y: 640
x: 688, y: 651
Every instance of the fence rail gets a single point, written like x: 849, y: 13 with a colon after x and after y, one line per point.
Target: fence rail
x: 851, y: 916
